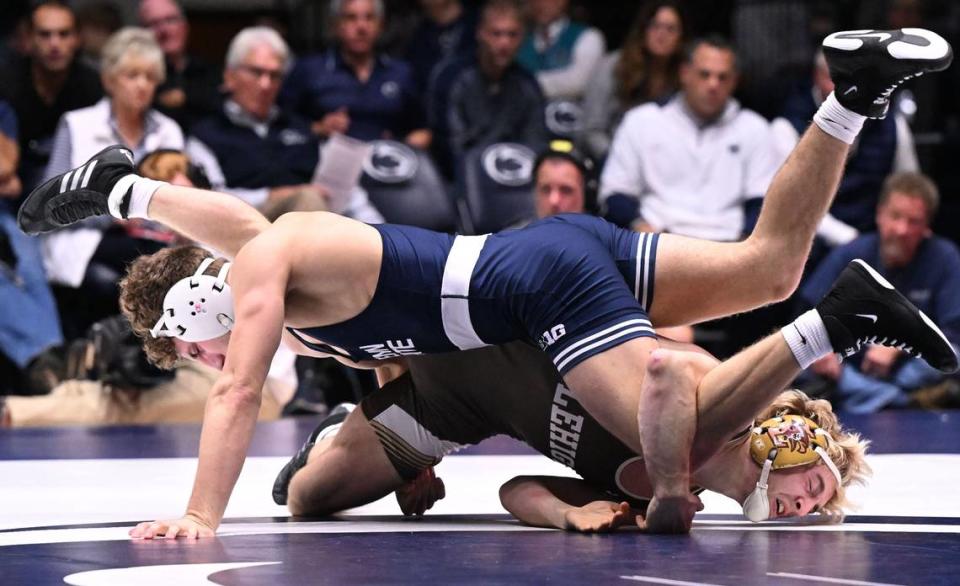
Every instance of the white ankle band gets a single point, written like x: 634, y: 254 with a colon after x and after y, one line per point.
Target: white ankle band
x: 807, y: 338
x: 838, y: 121
x: 143, y: 190
x: 140, y: 195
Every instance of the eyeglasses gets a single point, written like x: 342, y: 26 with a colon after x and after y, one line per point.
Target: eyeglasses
x: 275, y: 75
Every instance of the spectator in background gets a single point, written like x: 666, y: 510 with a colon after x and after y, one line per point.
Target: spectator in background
x: 353, y: 89
x: 487, y: 97
x: 698, y: 165
x: 50, y: 82
x: 883, y: 147
x: 255, y: 150
x: 191, y: 89
x: 646, y: 68
x: 564, y: 181
x: 28, y: 320
x: 561, y: 53
x: 96, y: 21
x: 926, y: 268
x: 91, y: 257
x: 447, y: 31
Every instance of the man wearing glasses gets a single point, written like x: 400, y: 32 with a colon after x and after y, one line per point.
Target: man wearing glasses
x: 255, y: 150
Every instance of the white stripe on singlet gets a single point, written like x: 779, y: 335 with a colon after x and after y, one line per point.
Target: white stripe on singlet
x: 641, y: 289
x: 600, y: 338
x: 414, y: 434
x: 455, y: 291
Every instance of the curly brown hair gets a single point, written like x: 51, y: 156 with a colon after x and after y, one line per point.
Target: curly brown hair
x: 146, y: 284
x: 632, y: 73
x: 846, y: 449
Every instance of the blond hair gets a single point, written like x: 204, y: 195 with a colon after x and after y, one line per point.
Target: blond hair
x: 846, y: 449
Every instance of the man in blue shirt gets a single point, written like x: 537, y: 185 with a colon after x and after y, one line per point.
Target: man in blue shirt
x: 351, y: 89
x: 447, y: 31
x: 925, y: 267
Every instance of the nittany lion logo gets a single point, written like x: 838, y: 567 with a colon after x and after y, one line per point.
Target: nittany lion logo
x: 564, y: 117
x: 390, y: 162
x: 508, y: 163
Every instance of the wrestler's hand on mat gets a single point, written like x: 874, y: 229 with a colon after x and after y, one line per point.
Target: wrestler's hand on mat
x: 598, y: 516
x: 671, y: 514
x: 188, y: 526
x: 418, y: 495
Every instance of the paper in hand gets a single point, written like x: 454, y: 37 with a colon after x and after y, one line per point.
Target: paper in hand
x: 341, y: 162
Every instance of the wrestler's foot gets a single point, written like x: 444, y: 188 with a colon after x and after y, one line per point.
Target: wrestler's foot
x: 863, y: 308
x: 325, y: 429
x: 867, y: 65
x: 92, y: 189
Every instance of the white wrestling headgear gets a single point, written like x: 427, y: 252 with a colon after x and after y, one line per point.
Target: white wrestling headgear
x: 784, y: 442
x: 197, y: 308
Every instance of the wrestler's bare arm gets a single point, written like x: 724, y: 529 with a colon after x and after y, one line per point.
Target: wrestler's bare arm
x: 562, y: 503
x: 231, y: 411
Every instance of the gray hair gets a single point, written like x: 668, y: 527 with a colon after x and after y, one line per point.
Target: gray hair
x: 252, y: 37
x: 336, y: 7
x: 132, y: 41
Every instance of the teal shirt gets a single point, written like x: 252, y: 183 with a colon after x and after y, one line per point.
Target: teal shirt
x: 556, y: 56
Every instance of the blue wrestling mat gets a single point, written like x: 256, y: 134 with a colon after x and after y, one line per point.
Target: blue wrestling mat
x: 69, y: 496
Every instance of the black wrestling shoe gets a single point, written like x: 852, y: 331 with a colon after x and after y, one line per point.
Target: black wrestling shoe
x: 863, y: 308
x: 79, y: 193
x: 867, y: 65
x: 282, y: 483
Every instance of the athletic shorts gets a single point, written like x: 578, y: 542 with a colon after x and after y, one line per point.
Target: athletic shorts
x: 567, y: 283
x: 573, y: 284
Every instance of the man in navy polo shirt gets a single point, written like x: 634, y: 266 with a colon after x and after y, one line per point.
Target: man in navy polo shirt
x: 263, y: 154
x: 351, y: 88
x: 924, y: 266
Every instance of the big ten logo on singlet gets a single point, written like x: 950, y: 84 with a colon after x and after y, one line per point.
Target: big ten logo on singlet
x: 550, y: 337
x: 391, y: 349
x: 566, y: 421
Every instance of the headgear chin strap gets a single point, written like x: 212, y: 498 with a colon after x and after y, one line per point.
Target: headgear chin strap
x: 784, y: 442
x: 197, y: 308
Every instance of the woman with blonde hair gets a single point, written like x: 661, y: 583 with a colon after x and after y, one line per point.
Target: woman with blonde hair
x: 645, y: 69
x: 90, y: 258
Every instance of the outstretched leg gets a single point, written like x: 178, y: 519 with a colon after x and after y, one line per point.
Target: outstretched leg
x: 347, y: 470
x: 698, y: 280
x: 701, y: 280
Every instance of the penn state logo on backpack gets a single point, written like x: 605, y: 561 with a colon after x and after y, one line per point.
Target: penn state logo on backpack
x: 390, y: 162
x: 564, y: 118
x: 508, y: 164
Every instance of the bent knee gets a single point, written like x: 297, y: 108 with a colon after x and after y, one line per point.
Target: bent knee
x: 775, y: 271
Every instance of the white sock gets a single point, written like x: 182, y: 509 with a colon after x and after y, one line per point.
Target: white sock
x: 140, y: 196
x: 837, y: 121
x: 807, y: 338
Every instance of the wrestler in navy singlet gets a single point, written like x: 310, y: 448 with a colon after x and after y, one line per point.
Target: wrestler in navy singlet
x: 570, y: 283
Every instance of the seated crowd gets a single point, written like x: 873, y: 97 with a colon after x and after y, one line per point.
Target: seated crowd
x: 522, y: 95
